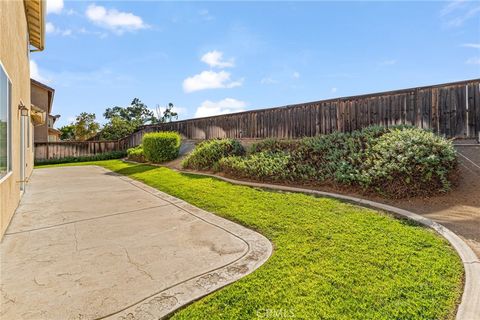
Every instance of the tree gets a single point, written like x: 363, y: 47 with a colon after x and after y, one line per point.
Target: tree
x: 85, y: 126
x: 117, y: 128
x: 124, y: 120
x: 67, y: 132
x: 137, y: 112
x: 168, y: 114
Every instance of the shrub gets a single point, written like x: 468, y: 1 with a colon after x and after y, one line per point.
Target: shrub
x: 337, y: 157
x: 262, y: 165
x: 206, y: 155
x: 97, y: 157
x: 136, y: 154
x: 397, y: 162
x: 273, y: 145
x: 410, y: 162
x: 161, y: 146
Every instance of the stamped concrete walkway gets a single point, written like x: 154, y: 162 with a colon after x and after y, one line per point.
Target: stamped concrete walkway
x: 86, y: 243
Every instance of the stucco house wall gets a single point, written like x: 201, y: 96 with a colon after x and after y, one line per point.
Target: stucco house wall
x: 14, y: 58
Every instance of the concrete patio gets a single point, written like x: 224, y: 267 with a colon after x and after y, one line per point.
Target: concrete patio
x: 86, y: 243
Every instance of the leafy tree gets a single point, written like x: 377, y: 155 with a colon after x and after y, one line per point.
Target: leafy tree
x: 137, y: 112
x: 85, y: 126
x: 67, y: 132
x: 117, y: 128
x: 124, y: 120
x: 168, y: 114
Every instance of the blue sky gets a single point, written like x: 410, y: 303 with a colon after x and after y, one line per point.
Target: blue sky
x: 217, y: 57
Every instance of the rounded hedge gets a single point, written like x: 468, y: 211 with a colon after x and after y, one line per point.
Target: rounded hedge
x: 206, y: 155
x: 410, y: 162
x: 161, y: 146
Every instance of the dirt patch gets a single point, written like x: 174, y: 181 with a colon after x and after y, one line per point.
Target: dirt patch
x: 459, y: 209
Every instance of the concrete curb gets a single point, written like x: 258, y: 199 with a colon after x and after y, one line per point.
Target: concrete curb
x: 165, y: 302
x: 469, y: 308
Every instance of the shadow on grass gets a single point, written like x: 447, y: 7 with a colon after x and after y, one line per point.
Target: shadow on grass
x: 131, y: 170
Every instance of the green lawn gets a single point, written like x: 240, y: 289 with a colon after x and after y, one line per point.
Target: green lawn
x: 332, y: 260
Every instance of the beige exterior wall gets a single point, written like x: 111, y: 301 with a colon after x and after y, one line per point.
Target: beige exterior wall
x: 14, y: 58
x: 39, y: 98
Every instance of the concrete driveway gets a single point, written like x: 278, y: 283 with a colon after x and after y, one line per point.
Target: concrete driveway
x: 86, y: 243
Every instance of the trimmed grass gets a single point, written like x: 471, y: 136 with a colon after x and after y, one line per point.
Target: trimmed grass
x: 332, y: 260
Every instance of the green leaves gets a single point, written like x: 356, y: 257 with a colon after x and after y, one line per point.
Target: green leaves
x: 118, y: 128
x: 161, y: 146
x: 416, y: 162
x: 85, y: 126
x: 137, y: 112
x: 397, y: 162
x: 136, y: 154
x: 206, y: 155
x: 68, y: 132
x: 262, y: 165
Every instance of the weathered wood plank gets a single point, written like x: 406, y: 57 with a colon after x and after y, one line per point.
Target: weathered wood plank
x: 442, y: 108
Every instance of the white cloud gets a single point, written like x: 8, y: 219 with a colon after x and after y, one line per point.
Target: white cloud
x: 475, y: 60
x: 296, y: 75
x: 457, y: 12
x: 333, y: 90
x: 49, y: 27
x: 212, y: 108
x: 471, y: 45
x: 451, y: 6
x: 114, y: 20
x: 460, y: 20
x: 209, y: 80
x: 215, y: 59
x: 54, y: 6
x: 35, y: 72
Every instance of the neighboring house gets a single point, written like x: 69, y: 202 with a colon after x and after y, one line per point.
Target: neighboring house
x: 53, y: 134
x: 42, y: 99
x: 22, y: 30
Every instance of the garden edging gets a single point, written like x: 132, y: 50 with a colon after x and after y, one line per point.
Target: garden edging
x: 469, y: 308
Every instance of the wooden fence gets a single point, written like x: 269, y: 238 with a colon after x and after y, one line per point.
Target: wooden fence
x: 63, y: 149
x: 452, y: 110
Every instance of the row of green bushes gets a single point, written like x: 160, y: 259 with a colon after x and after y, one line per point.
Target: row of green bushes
x: 395, y: 162
x: 156, y: 147
x: 97, y: 157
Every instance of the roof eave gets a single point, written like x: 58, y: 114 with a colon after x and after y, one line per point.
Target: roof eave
x: 35, y: 13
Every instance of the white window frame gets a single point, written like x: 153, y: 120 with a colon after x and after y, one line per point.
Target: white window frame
x: 9, y: 126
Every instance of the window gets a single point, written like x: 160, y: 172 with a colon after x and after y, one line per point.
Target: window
x: 5, y: 123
